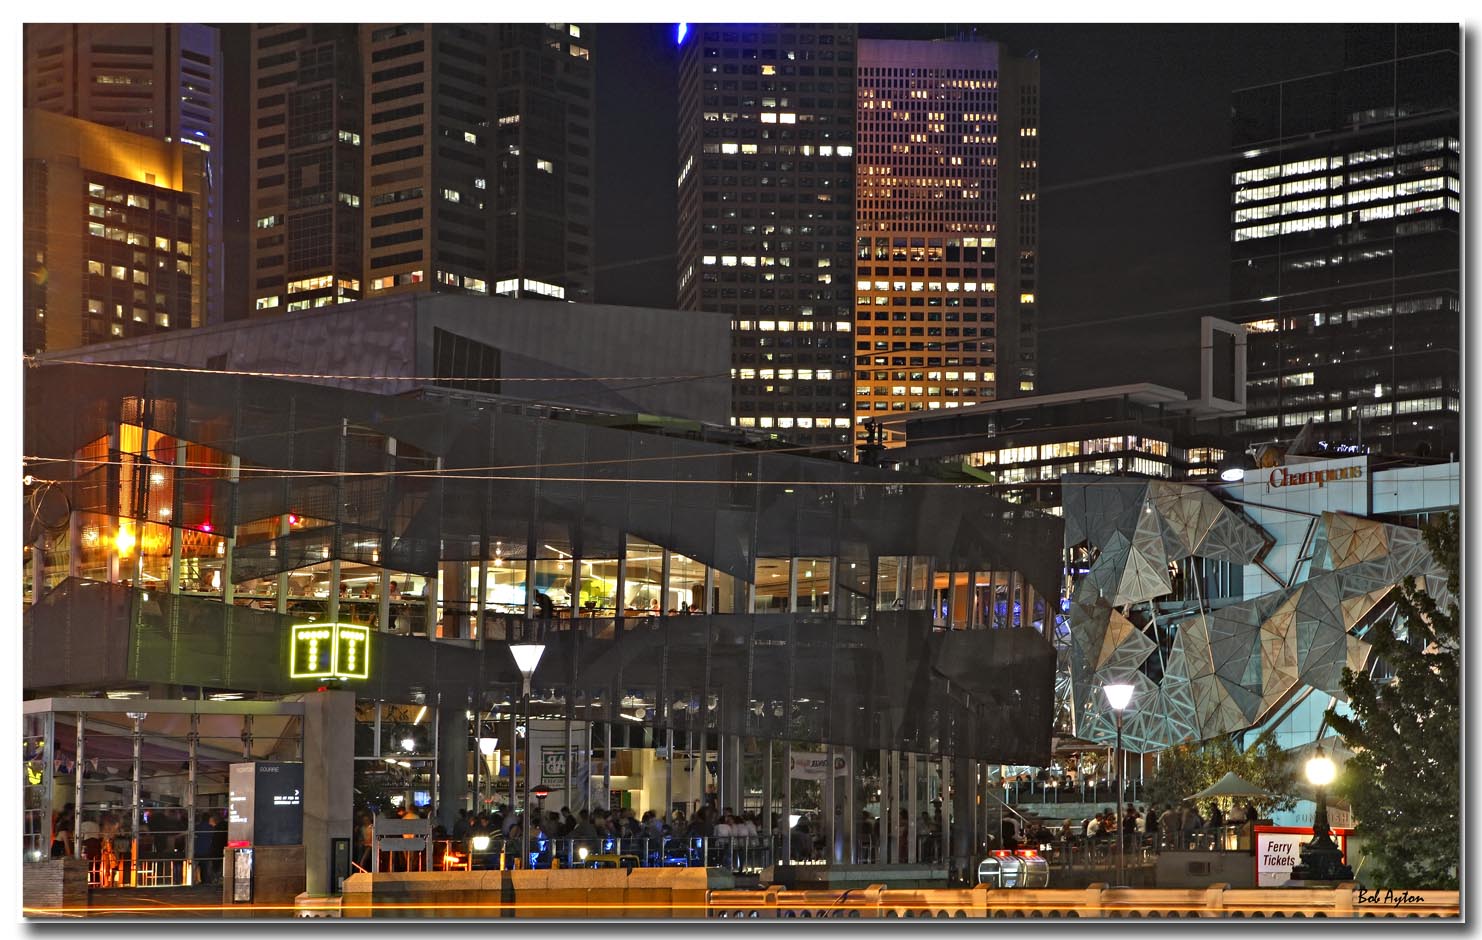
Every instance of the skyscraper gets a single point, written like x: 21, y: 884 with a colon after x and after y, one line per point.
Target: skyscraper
x: 1345, y: 222
x: 307, y: 166
x: 947, y: 223
x: 114, y: 226
x: 766, y: 215
x: 158, y: 80
x: 422, y: 157
x: 544, y: 148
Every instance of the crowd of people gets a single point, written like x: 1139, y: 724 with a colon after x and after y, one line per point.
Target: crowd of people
x: 163, y: 833
x: 1165, y: 827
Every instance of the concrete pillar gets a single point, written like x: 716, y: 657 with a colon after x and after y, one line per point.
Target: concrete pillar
x: 913, y: 808
x: 785, y: 823
x: 329, y: 777
x: 964, y: 830
x: 884, y: 843
x: 77, y: 793
x: 829, y: 822
x: 851, y: 811
x: 191, y: 778
x: 767, y: 771
x: 451, y: 737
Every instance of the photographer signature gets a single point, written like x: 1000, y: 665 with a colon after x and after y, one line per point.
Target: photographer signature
x: 1387, y: 896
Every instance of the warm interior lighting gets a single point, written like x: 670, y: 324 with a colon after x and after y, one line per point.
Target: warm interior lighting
x: 1118, y: 696
x: 408, y: 745
x: 480, y: 843
x: 487, y: 746
x: 125, y: 541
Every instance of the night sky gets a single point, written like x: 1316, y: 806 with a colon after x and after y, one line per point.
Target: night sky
x: 1134, y: 202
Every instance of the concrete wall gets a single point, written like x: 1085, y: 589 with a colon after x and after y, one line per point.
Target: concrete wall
x: 277, y: 875
x: 646, y: 893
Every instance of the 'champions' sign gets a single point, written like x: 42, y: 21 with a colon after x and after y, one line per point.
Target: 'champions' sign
x: 1281, y: 476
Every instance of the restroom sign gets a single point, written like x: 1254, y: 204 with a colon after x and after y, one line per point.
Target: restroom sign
x: 329, y: 651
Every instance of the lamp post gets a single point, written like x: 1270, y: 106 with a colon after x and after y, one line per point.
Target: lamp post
x: 1118, y: 697
x: 527, y: 657
x: 1321, y: 858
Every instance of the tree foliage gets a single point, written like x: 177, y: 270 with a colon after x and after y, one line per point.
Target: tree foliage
x: 1404, y: 780
x: 1187, y: 769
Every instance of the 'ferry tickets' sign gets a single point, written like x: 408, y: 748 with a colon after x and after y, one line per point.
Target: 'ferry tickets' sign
x: 1279, y: 849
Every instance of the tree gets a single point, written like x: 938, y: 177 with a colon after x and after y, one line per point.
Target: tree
x: 1189, y: 768
x: 1404, y: 780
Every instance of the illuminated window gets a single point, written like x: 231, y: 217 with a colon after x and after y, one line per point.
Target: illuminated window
x: 267, y: 303
x: 545, y: 166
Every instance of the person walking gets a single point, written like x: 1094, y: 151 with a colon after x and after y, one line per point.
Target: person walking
x: 1171, y: 826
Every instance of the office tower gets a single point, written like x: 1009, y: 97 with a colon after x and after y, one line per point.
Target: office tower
x: 422, y: 157
x: 1345, y: 245
x: 543, y: 152
x: 114, y: 228
x: 307, y: 164
x: 159, y: 80
x: 766, y: 216
x: 947, y: 223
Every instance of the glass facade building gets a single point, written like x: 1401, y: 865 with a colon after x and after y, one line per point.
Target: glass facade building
x: 767, y: 216
x: 186, y: 521
x: 1345, y: 228
x: 948, y: 220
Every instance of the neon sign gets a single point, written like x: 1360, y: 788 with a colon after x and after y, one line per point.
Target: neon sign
x: 328, y: 651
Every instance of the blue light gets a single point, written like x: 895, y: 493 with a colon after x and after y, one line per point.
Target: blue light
x: 681, y: 31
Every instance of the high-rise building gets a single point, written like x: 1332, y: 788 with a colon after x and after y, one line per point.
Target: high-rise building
x: 766, y: 216
x: 422, y: 157
x: 114, y: 229
x: 307, y: 164
x: 159, y: 80
x: 544, y: 143
x: 947, y: 224
x: 1346, y: 215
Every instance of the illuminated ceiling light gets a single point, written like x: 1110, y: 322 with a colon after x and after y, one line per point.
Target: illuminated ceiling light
x: 487, y: 746
x: 421, y: 713
x: 409, y: 745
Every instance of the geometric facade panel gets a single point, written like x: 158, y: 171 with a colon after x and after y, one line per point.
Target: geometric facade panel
x: 1220, y: 670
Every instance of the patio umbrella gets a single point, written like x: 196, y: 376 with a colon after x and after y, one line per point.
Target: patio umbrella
x: 1231, y: 784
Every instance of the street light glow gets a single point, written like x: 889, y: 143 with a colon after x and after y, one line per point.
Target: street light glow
x: 1321, y: 770
x: 527, y: 656
x: 1118, y: 696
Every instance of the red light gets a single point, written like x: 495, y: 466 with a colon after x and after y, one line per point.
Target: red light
x: 292, y: 519
x: 1027, y: 853
x: 322, y: 688
x: 239, y: 844
x: 1002, y: 853
x: 205, y: 527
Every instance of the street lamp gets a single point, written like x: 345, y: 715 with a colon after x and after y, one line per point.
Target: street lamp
x: 488, y: 748
x: 1321, y: 858
x: 527, y: 657
x: 1119, y: 696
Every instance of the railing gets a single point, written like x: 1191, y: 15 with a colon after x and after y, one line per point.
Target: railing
x: 1098, y: 901
x: 741, y: 854
x: 1095, y: 792
x: 153, y: 873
